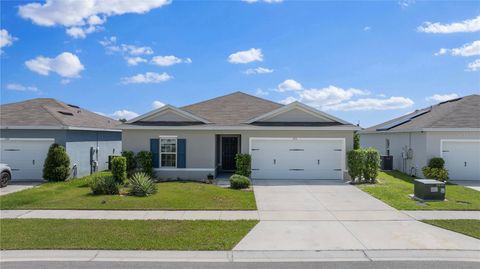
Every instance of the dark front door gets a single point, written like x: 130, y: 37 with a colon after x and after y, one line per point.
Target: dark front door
x: 229, y: 150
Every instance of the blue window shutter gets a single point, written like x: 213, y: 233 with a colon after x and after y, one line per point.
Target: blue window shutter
x: 154, y: 149
x: 181, y: 153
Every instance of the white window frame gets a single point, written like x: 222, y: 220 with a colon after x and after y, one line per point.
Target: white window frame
x: 161, y: 153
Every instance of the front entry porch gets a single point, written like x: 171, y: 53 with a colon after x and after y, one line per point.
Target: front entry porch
x: 226, y: 148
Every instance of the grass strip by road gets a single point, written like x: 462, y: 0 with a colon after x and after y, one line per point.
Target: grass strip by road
x: 394, y: 188
x: 468, y: 227
x: 122, y: 234
x: 75, y: 194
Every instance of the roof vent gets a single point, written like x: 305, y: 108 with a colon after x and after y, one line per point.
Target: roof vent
x: 74, y: 106
x: 65, y: 113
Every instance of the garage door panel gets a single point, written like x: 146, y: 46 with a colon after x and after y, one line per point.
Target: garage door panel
x: 25, y: 157
x: 297, y: 159
x: 462, y: 159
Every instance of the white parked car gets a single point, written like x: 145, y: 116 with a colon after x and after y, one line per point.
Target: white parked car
x: 6, y: 175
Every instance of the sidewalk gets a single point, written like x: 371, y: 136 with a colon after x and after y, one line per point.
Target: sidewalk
x: 440, y: 214
x: 238, y: 256
x: 129, y: 214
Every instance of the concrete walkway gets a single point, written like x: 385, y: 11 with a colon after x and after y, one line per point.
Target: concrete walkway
x: 129, y: 214
x: 237, y: 256
x: 18, y: 186
x: 440, y: 214
x: 332, y: 215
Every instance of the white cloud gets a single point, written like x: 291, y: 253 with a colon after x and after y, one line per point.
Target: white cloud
x: 469, y: 49
x: 263, y: 1
x: 65, y: 64
x: 111, y: 46
x: 169, y: 60
x: 288, y: 100
x: 149, y: 77
x: 289, y: 85
x: 405, y: 3
x: 261, y: 92
x: 21, y: 88
x: 330, y: 95
x: 83, y: 17
x: 472, y: 25
x: 65, y: 81
x: 258, y: 70
x: 441, y: 97
x: 367, y: 28
x: 474, y: 66
x: 124, y: 114
x: 135, y: 60
x: 246, y: 56
x: 6, y: 39
x: 157, y: 104
x: 373, y: 104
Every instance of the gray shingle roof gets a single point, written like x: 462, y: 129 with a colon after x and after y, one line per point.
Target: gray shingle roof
x: 50, y: 113
x: 232, y: 109
x: 458, y: 113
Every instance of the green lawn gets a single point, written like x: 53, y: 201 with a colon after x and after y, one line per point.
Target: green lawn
x: 75, y: 194
x: 122, y: 234
x: 394, y: 188
x: 464, y: 226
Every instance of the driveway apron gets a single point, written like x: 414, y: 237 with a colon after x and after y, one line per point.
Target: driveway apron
x: 333, y: 215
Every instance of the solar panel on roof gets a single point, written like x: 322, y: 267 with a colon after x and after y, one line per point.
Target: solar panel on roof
x: 403, y: 120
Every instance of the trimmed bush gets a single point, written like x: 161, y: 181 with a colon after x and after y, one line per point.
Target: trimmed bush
x: 101, y: 184
x: 145, y: 162
x: 371, y: 164
x: 131, y: 163
x: 355, y: 159
x: 239, y: 182
x: 244, y: 165
x: 356, y: 140
x: 57, y: 164
x: 436, y: 162
x: 142, y: 185
x: 119, y: 169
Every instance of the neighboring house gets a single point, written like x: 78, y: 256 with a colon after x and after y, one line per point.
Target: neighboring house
x: 28, y: 128
x: 450, y: 130
x: 291, y: 141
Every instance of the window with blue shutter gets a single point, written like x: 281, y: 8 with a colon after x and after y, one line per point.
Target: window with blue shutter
x: 181, y: 153
x: 154, y: 149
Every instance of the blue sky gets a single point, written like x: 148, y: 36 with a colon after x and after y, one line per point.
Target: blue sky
x: 362, y: 61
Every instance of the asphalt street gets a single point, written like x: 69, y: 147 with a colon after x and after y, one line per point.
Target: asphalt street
x: 296, y: 265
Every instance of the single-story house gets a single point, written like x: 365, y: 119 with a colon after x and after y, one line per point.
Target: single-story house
x: 292, y: 141
x: 450, y: 130
x: 28, y: 128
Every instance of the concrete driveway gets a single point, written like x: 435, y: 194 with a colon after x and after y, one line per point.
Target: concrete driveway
x: 472, y: 184
x: 18, y: 186
x: 332, y: 215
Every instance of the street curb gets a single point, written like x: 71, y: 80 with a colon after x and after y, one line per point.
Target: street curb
x: 239, y: 256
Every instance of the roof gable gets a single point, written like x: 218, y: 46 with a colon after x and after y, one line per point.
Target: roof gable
x: 297, y: 112
x: 168, y: 113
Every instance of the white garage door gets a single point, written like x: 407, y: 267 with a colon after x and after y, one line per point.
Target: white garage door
x: 297, y: 158
x: 25, y: 157
x: 462, y: 159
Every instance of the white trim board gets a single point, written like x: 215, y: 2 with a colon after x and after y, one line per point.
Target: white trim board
x: 173, y: 109
x: 27, y: 139
x: 240, y: 128
x: 59, y: 127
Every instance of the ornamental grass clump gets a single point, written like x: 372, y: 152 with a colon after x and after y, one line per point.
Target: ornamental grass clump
x: 103, y: 184
x: 142, y: 185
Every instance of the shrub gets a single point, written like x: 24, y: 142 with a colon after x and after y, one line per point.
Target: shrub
x: 119, y: 168
x: 102, y: 184
x: 371, y: 164
x: 244, y: 165
x: 142, y: 185
x: 145, y: 162
x: 355, y: 164
x: 57, y: 164
x: 435, y: 173
x: 239, y: 182
x: 356, y: 140
x: 131, y: 163
x: 436, y: 163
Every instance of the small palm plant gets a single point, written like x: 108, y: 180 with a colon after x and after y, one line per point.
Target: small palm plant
x: 142, y: 185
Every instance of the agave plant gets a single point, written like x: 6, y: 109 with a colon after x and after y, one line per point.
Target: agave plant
x: 142, y: 185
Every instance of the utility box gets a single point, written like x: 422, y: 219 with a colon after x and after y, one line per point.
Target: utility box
x: 429, y: 189
x: 386, y: 162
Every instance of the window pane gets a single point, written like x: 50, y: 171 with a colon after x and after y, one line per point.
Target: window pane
x: 169, y: 160
x: 168, y: 145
